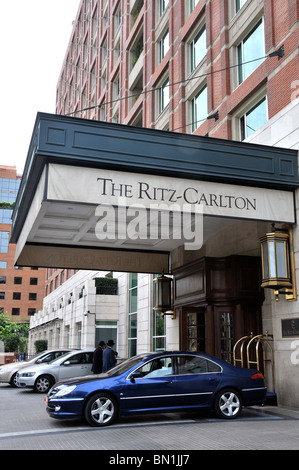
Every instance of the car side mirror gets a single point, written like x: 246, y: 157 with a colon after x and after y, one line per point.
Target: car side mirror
x: 135, y: 375
x: 66, y: 363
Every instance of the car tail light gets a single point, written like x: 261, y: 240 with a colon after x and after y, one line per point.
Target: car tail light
x: 258, y: 375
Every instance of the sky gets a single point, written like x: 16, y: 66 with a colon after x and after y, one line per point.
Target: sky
x: 34, y: 35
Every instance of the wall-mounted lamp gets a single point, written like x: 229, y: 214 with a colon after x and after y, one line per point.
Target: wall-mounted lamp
x: 163, y: 295
x: 278, y: 267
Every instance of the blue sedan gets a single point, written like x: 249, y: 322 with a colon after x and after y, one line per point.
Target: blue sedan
x: 158, y: 382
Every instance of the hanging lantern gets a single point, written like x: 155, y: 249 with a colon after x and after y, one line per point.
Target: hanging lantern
x: 277, y: 267
x: 163, y: 294
x: 276, y: 272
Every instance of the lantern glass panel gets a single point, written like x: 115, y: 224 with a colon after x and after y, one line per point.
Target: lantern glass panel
x: 272, y: 264
x: 265, y: 259
x: 281, y: 259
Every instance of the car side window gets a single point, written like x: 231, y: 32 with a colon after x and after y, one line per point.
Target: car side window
x: 49, y: 357
x: 156, y: 368
x: 77, y: 359
x: 196, y: 365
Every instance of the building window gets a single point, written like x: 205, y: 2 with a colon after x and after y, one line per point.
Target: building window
x: 239, y: 4
x: 16, y: 295
x: 2, y: 295
x: 198, y: 48
x: 252, y: 47
x: 18, y: 280
x: 31, y: 311
x: 5, y: 216
x: 15, y: 311
x: 2, y: 279
x: 199, y: 108
x: 163, y: 4
x: 253, y: 119
x: 164, y: 45
x: 33, y: 281
x: 3, y: 264
x: 4, y: 240
x: 32, y: 296
x: 193, y: 4
x: 163, y: 96
x: 132, y: 333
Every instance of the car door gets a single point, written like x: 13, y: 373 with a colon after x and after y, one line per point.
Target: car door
x: 150, y: 387
x: 196, y: 380
x: 76, y: 366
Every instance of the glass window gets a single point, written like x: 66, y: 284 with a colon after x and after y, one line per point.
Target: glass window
x: 164, y: 45
x: 239, y: 4
x: 159, y: 332
x: 163, y: 96
x: 4, y: 241
x: 199, y: 108
x: 226, y: 334
x: 193, y: 4
x: 250, y: 49
x: 2, y: 295
x: 163, y: 6
x: 5, y: 216
x: 198, y: 48
x: 133, y: 296
x: 15, y: 311
x: 196, y: 365
x: 33, y: 281
x: 157, y: 368
x: 253, y: 119
x: 16, y: 295
x: 2, y: 279
x: 3, y: 264
x: 18, y: 280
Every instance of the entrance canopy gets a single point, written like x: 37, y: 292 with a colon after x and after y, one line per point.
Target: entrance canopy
x: 103, y: 196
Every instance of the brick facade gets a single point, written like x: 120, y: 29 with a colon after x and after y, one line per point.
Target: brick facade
x: 22, y: 289
x: 99, y: 61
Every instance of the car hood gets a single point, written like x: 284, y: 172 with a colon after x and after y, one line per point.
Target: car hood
x: 38, y: 367
x: 82, y: 380
x: 14, y: 365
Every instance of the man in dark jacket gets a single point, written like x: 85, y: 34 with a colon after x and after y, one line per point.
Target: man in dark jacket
x: 97, y: 365
x: 109, y: 356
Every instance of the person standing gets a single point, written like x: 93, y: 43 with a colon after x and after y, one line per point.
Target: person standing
x: 97, y: 366
x: 109, y: 356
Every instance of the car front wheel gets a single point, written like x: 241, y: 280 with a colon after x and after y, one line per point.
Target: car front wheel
x: 43, y: 384
x: 100, y: 410
x: 228, y: 404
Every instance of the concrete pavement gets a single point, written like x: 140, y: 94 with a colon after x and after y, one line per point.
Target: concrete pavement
x: 25, y: 425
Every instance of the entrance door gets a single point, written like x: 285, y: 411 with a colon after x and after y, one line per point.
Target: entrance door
x: 193, y: 329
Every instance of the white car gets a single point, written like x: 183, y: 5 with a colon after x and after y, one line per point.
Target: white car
x: 41, y: 377
x: 9, y: 371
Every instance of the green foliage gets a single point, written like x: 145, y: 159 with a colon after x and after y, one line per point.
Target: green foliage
x: 40, y: 345
x: 14, y: 335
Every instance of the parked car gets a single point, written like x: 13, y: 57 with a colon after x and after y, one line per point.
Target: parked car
x: 158, y: 382
x: 41, y: 377
x: 9, y: 371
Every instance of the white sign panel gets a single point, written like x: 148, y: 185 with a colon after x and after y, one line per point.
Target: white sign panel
x: 107, y: 187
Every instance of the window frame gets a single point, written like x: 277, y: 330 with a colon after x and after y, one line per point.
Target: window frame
x: 241, y: 62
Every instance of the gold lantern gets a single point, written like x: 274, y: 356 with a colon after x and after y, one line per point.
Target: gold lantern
x: 277, y: 254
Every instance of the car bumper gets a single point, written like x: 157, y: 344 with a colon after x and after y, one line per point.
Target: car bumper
x: 25, y: 381
x: 65, y: 408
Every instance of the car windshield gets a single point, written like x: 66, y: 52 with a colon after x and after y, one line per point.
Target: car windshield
x: 126, y: 365
x: 59, y: 359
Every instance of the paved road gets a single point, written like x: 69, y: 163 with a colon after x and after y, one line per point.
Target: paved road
x: 25, y: 425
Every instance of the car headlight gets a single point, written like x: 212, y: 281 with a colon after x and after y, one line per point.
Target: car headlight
x: 28, y: 374
x: 65, y: 391
x: 3, y: 369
